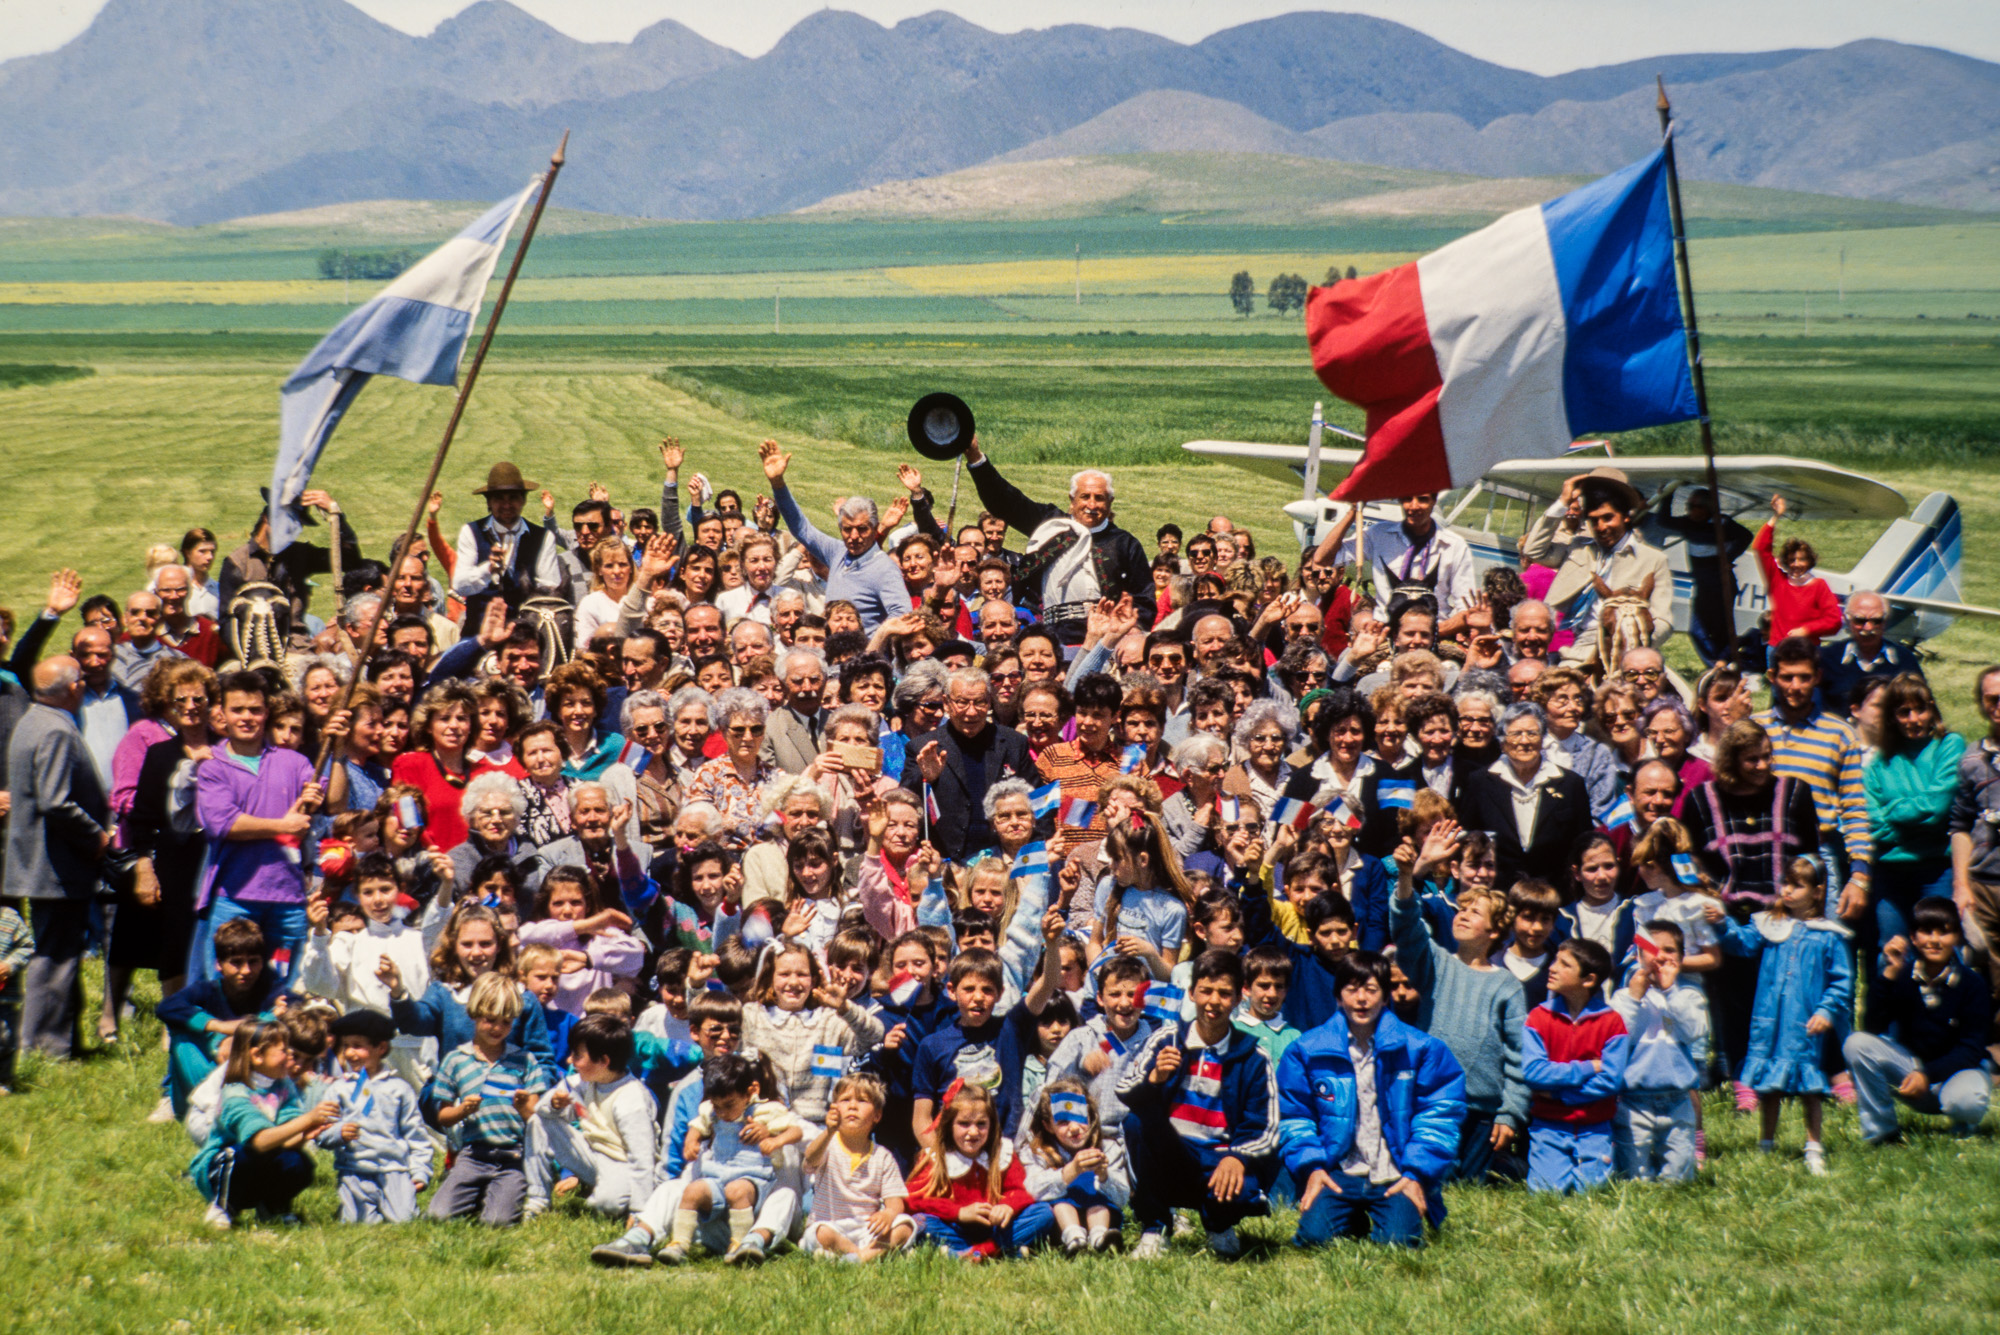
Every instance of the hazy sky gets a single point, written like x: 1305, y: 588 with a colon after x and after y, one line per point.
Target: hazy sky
x: 1547, y: 36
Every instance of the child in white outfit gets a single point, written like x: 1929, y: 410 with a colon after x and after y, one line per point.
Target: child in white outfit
x: 358, y: 970
x: 600, y: 1124
x: 381, y: 1151
x: 732, y: 1146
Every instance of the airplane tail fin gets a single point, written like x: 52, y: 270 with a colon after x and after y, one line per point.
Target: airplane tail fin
x: 1922, y: 557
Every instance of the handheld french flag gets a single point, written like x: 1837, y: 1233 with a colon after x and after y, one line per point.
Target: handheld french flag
x: 1396, y: 794
x: 1031, y: 860
x: 904, y: 989
x: 756, y: 929
x: 1648, y: 947
x: 1295, y: 812
x: 1163, y: 1002
x: 633, y: 756
x: 1231, y: 810
x: 1044, y: 800
x: 1621, y: 815
x: 1555, y: 322
x: 1077, y: 812
x: 931, y: 812
x: 414, y: 329
x: 829, y: 1061
x: 1133, y: 760
x: 1198, y: 1115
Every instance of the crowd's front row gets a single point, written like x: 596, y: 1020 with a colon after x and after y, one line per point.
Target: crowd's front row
x: 991, y: 1092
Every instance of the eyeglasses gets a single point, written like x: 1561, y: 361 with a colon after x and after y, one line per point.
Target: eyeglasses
x: 1621, y: 715
x: 746, y: 730
x: 1219, y: 767
x: 1005, y: 676
x: 932, y: 705
x: 190, y: 702
x: 1647, y: 674
x: 1312, y: 674
x: 647, y: 729
x: 494, y: 813
x: 1865, y: 621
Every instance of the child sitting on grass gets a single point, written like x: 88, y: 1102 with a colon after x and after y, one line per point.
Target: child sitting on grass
x: 860, y: 1200
x: 1536, y: 907
x: 1804, y: 982
x: 1372, y: 1112
x: 484, y: 1091
x: 1931, y: 1019
x: 1203, y: 1132
x: 969, y: 1188
x: 1575, y: 1064
x: 255, y: 1156
x: 381, y: 1150
x: 202, y: 1015
x: 1075, y: 1169
x: 600, y: 1124
x: 732, y: 1146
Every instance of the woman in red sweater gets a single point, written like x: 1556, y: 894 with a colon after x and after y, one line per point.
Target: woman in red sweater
x: 1801, y: 603
x: 967, y: 1190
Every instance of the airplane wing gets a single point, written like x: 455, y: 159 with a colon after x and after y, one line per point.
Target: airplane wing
x: 1939, y: 605
x: 1812, y: 489
x: 1281, y: 463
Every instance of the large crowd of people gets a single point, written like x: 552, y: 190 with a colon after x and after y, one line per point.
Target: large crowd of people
x: 860, y: 881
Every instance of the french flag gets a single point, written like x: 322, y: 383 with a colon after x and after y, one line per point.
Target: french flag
x: 1132, y: 760
x: 1292, y: 811
x: 1077, y: 812
x: 904, y: 989
x: 1554, y: 322
x: 633, y: 756
x: 1199, y: 1116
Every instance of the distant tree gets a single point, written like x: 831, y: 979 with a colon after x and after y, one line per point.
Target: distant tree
x: 1287, y: 293
x: 1332, y: 275
x: 1352, y: 272
x: 1243, y: 293
x: 376, y: 265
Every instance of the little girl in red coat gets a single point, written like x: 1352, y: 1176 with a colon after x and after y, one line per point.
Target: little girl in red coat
x: 1801, y: 603
x: 968, y: 1191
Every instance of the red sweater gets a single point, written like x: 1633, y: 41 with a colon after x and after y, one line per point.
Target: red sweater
x: 969, y: 1188
x: 1808, y: 609
x: 1588, y: 1037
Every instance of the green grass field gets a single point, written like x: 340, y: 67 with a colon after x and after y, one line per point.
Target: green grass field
x: 100, y: 1232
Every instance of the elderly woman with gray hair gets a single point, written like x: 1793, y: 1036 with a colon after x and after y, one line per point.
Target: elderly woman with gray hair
x: 1535, y: 808
x: 1264, y: 736
x: 733, y: 780
x: 1201, y: 759
x: 789, y: 805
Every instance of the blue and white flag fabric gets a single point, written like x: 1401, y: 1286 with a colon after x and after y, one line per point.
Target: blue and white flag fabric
x: 1621, y: 814
x: 1044, y: 800
x: 413, y: 329
x: 1132, y: 760
x: 1396, y: 794
x: 1065, y: 1106
x: 1684, y: 869
x: 829, y: 1060
x: 1032, y: 860
x: 1163, y: 1002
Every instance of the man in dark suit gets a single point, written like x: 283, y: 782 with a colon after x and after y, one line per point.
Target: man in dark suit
x: 1865, y: 655
x: 57, y: 832
x: 1060, y: 588
x: 791, y: 733
x: 964, y: 758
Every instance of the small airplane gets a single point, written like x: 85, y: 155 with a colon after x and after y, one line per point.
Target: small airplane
x: 1916, y: 564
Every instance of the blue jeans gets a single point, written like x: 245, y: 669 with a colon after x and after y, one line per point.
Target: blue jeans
x: 1025, y: 1230
x: 284, y: 925
x: 1569, y: 1158
x: 1362, y: 1209
x: 1478, y: 1162
x: 1167, y: 1175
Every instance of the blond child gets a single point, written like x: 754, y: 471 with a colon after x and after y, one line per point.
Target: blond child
x: 860, y: 1201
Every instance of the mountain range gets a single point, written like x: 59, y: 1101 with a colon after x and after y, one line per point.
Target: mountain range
x: 201, y: 110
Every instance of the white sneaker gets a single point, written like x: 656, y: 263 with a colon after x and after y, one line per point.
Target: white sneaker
x: 1074, y: 1239
x: 217, y: 1217
x: 534, y: 1208
x: 1226, y: 1244
x: 1152, y: 1246
x: 1816, y: 1160
x: 163, y: 1112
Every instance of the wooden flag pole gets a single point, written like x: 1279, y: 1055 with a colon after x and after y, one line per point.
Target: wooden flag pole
x: 1722, y: 561
x: 322, y: 765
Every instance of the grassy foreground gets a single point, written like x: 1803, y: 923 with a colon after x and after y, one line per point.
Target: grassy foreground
x: 98, y: 1232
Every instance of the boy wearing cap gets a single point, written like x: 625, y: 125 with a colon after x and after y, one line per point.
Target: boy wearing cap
x: 381, y: 1151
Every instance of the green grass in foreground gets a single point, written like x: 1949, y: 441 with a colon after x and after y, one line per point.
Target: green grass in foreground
x: 98, y: 1231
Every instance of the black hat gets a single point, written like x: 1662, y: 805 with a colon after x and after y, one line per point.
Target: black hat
x: 302, y: 514
x: 941, y: 426
x: 371, y: 1025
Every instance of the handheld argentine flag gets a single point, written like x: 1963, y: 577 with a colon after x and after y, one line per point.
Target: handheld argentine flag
x: 1163, y: 1002
x: 829, y: 1061
x: 1065, y: 1106
x: 1684, y: 869
x: 414, y: 329
x: 756, y: 929
x: 1077, y: 812
x: 1555, y: 322
x: 1031, y: 860
x: 1396, y: 794
x: 1621, y: 815
x: 1045, y: 800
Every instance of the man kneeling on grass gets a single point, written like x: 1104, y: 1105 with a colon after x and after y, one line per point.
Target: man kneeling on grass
x: 1373, y: 1110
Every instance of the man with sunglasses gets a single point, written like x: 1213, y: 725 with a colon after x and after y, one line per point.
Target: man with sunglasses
x: 1866, y: 654
x: 140, y: 646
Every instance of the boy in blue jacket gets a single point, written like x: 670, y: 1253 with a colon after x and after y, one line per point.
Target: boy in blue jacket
x: 1203, y: 1130
x: 1373, y: 1109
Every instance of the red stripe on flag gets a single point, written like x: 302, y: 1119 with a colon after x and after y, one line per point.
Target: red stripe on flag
x: 1372, y: 346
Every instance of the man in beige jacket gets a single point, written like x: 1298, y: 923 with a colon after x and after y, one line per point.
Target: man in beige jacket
x: 1588, y: 535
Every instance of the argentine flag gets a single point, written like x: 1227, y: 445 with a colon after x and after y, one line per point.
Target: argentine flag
x: 414, y: 329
